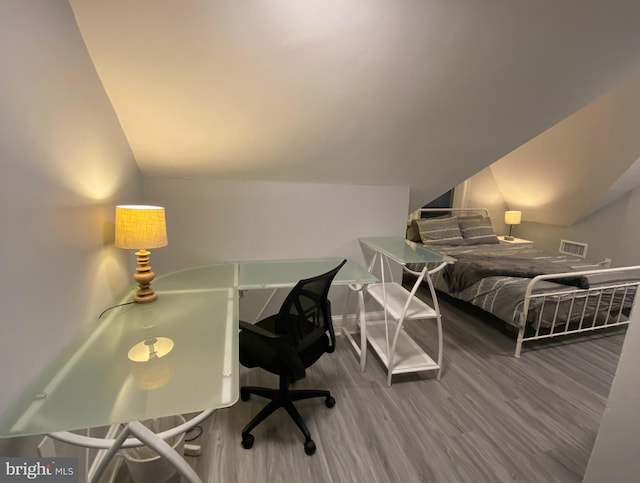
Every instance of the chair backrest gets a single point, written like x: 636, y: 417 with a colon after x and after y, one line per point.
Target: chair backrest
x: 308, y: 300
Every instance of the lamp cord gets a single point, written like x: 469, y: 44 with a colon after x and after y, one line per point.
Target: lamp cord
x: 114, y: 306
x: 198, y: 428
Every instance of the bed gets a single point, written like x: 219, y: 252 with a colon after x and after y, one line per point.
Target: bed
x: 539, y: 294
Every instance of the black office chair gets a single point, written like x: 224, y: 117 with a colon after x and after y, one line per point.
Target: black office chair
x: 286, y: 344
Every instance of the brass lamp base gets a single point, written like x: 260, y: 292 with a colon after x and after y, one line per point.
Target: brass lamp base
x: 143, y: 277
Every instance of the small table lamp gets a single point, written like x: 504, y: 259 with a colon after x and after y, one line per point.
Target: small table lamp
x: 140, y: 227
x: 512, y: 218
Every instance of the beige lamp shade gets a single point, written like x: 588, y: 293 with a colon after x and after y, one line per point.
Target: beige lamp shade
x: 512, y: 217
x: 140, y: 226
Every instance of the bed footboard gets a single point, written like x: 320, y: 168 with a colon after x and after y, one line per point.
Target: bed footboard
x: 607, y: 302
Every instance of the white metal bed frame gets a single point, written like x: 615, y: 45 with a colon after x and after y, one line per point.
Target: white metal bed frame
x: 585, y: 322
x: 572, y: 322
x: 472, y: 211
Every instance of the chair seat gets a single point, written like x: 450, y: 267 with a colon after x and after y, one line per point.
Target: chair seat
x: 255, y: 352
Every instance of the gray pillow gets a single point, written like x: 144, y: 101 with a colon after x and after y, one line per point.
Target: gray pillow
x: 413, y: 232
x: 440, y: 231
x: 476, y: 232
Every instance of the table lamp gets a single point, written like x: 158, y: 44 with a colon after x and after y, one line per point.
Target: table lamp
x: 141, y: 227
x: 512, y: 218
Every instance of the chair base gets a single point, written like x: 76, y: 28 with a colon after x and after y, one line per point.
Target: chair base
x: 282, y: 397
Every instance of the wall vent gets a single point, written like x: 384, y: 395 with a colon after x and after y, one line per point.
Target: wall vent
x: 574, y: 248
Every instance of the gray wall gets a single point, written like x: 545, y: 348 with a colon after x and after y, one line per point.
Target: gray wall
x: 481, y: 191
x: 211, y: 220
x: 65, y: 163
x: 611, y: 232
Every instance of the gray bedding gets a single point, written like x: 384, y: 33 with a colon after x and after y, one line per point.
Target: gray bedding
x: 494, y: 277
x: 472, y: 268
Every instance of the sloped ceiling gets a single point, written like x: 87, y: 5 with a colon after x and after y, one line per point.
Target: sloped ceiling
x: 422, y: 93
x: 579, y: 164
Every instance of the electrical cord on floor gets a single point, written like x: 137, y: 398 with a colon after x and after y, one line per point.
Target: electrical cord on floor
x: 192, y: 449
x: 114, y: 306
x: 189, y: 439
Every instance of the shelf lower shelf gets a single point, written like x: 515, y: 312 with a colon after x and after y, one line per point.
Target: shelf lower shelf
x: 408, y: 357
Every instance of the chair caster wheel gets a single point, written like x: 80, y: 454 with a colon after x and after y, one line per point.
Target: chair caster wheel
x: 309, y: 447
x: 248, y: 439
x: 330, y: 402
x: 244, y: 394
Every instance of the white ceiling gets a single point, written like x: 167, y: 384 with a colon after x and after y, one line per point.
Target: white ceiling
x: 415, y: 92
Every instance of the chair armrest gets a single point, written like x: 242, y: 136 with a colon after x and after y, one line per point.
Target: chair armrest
x: 258, y: 330
x: 332, y: 334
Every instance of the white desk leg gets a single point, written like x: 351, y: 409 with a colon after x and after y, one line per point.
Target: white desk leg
x: 110, y: 453
x: 264, y: 307
x: 112, y: 432
x: 363, y: 330
x: 152, y: 440
x: 360, y: 349
x: 164, y: 449
x: 345, y: 305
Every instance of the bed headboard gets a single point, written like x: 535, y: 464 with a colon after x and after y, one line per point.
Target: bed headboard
x: 455, y: 211
x: 413, y: 232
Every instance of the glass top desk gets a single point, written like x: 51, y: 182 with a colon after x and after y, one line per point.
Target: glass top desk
x: 286, y: 273
x: 260, y: 274
x: 100, y: 382
x: 404, y: 251
x: 109, y: 377
x: 397, y: 351
x: 97, y: 384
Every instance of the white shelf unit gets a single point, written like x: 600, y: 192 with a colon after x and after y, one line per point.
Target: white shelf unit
x: 399, y: 353
x: 396, y: 298
x: 408, y: 355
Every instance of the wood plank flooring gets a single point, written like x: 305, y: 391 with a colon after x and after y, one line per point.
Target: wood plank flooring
x: 491, y: 418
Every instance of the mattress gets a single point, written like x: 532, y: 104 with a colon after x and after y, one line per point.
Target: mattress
x: 494, y: 277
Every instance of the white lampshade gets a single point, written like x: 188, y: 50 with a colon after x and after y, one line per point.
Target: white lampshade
x: 140, y: 226
x: 512, y: 217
